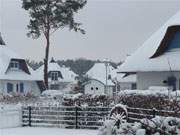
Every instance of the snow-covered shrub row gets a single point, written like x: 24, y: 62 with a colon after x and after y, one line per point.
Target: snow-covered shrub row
x: 149, y: 102
x: 155, y: 126
x: 17, y: 98
x: 136, y: 101
x: 88, y: 100
x: 29, y: 100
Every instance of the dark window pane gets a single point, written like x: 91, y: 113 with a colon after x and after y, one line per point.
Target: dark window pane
x: 9, y: 87
x: 21, y: 87
x: 17, y: 87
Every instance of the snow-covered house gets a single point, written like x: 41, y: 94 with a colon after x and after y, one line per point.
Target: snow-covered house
x: 126, y: 81
x: 58, y: 77
x: 100, y: 79
x: 156, y: 62
x: 15, y: 75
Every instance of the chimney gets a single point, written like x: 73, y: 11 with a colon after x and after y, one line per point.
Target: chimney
x: 1, y: 40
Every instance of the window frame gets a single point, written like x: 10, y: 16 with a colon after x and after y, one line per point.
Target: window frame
x: 21, y: 87
x: 54, y: 76
x: 14, y: 65
x: 11, y: 86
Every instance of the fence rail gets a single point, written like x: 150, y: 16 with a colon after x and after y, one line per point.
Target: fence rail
x: 78, y: 117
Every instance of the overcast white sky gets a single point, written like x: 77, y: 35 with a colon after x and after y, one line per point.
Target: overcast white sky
x: 114, y: 28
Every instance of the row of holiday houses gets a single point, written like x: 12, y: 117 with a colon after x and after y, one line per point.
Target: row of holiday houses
x: 18, y: 77
x: 155, y: 63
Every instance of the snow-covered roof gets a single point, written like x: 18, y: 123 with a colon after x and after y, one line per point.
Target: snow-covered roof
x: 6, y: 55
x: 122, y: 78
x: 143, y: 59
x: 19, y: 75
x: 67, y: 74
x: 98, y: 71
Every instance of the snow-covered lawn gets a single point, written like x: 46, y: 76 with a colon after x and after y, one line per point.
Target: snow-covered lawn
x: 46, y: 131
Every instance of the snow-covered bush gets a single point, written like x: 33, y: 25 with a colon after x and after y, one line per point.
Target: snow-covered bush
x: 90, y: 100
x: 29, y: 100
x: 161, y: 126
x: 136, y: 101
x: 149, y: 102
x: 155, y: 126
x: 15, y: 98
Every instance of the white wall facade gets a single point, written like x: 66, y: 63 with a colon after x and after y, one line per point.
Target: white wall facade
x: 125, y: 85
x: 97, y: 88
x: 94, y: 87
x: 29, y: 86
x: 147, y: 79
x: 110, y: 90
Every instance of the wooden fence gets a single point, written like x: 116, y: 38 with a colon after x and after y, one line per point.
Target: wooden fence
x: 65, y: 116
x: 78, y: 117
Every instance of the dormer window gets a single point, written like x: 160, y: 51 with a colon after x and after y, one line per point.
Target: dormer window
x: 54, y: 76
x: 14, y: 65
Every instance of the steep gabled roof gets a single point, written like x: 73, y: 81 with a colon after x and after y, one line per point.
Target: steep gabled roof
x: 67, y: 74
x: 123, y: 78
x: 98, y: 71
x: 151, y: 56
x: 170, y: 32
x: 6, y: 55
x: 92, y: 79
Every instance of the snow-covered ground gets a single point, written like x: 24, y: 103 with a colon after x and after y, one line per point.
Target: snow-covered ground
x: 46, y: 131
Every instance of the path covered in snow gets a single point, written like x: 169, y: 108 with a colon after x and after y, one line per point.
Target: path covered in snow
x: 46, y: 131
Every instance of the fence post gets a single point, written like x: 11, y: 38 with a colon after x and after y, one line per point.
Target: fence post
x: 76, y: 119
x: 29, y: 120
x: 154, y: 112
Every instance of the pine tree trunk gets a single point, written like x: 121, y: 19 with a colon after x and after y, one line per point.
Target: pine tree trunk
x: 47, y: 35
x: 46, y: 60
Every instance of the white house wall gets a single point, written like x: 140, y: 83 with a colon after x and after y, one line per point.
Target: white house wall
x: 110, y: 90
x: 125, y: 86
x: 93, y: 84
x: 101, y: 88
x: 147, y: 79
x: 29, y: 86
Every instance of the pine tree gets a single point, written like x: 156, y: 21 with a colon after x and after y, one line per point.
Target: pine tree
x: 47, y: 16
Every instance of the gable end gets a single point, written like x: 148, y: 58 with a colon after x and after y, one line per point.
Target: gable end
x: 22, y: 64
x: 165, y: 41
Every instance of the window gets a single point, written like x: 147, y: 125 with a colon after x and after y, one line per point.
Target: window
x: 134, y: 86
x: 109, y: 77
x: 54, y: 76
x: 21, y: 87
x: 9, y: 87
x: 14, y: 64
x: 91, y: 88
x: 17, y: 88
x: 96, y: 88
